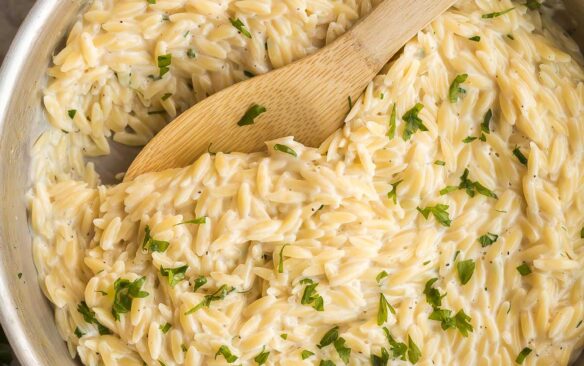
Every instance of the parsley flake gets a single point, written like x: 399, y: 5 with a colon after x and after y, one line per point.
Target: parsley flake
x: 175, y: 275
x: 195, y: 221
x: 89, y: 317
x: 519, y: 155
x: 455, y: 90
x: 533, y: 4
x: 218, y: 295
x: 414, y: 353
x: 381, y: 275
x: 251, y: 114
x: 238, y: 24
x: 496, y: 14
x: 469, y: 139
x: 440, y: 162
x: 78, y: 332
x: 439, y: 211
x: 343, y: 351
x: 486, y: 120
x: 164, y: 62
x: 125, y: 293
x: 380, y: 360
x: 413, y: 121
x: 433, y: 296
x: 488, y: 239
x: 475, y: 38
x: 71, y: 113
x: 398, y: 349
x: 191, y: 53
x: 392, y: 122
x: 523, y: 355
x: 281, y: 261
x: 262, y: 357
x: 165, y: 328
x: 226, y: 353
x: 384, y: 307
x: 200, y: 282
x: 306, y: 354
x: 285, y: 149
x: 329, y: 337
x: 151, y: 244
x: 465, y: 270
x: 392, y: 195
x: 523, y: 269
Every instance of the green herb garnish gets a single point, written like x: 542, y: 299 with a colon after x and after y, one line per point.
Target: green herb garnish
x: 310, y: 296
x: 151, y: 244
x: 238, y: 24
x: 125, y: 293
x: 398, y: 349
x: 392, y: 195
x: 455, y: 90
x: 488, y: 239
x: 250, y: 115
x: 281, y: 262
x: 460, y: 321
x: 381, y: 275
x: 523, y: 355
x: 89, y: 317
x: 306, y: 354
x: 72, y: 113
x: 414, y: 353
x: 413, y: 121
x: 164, y: 62
x: 200, y: 282
x: 350, y: 102
x: 285, y: 149
x: 165, y: 328
x: 439, y: 211
x: 383, y: 310
x: 218, y: 295
x: 226, y: 353
x: 392, y: 122
x: 440, y: 162
x: 475, y: 38
x: 284, y: 336
x: 471, y: 187
x: 329, y: 337
x: 195, y: 221
x: 433, y: 296
x: 533, y: 4
x: 343, y: 351
x: 465, y: 270
x: 166, y: 96
x: 519, y: 155
x: 191, y: 53
x: 486, y: 121
x: 523, y: 269
x: 496, y: 14
x: 469, y: 139
x: 326, y: 363
x: 175, y: 275
x: 380, y: 360
x: 262, y: 357
x: 78, y: 332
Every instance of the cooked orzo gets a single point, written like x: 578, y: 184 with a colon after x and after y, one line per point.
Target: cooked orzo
x: 442, y: 225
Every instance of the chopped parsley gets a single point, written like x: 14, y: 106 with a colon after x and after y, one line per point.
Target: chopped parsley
x: 380, y: 360
x: 440, y: 162
x: 200, y: 282
x: 343, y: 351
x: 392, y: 122
x: 195, y: 221
x: 433, y: 296
x: 165, y: 328
x: 89, y: 317
x: 125, y: 293
x: 306, y: 354
x: 310, y: 296
x: 326, y: 363
x: 582, y: 233
x: 469, y: 139
x: 486, y: 120
x: 398, y: 349
x: 381, y: 95
x: 440, y: 213
x: 350, y: 102
x: 460, y: 321
x: 475, y: 38
x: 392, y: 195
x: 533, y: 4
x: 329, y: 337
x: 496, y: 14
x: 72, y: 113
x: 381, y: 275
x: 413, y: 121
x: 19, y: 275
x: 164, y: 62
x: 262, y: 357
x: 226, y: 353
x: 166, y: 96
x: 414, y: 353
x: 488, y: 239
x: 78, y: 332
x: 523, y: 269
x: 523, y: 355
x: 238, y: 24
x: 191, y: 53
x: 519, y: 155
x: 465, y: 270
x: 285, y: 149
x: 284, y: 336
x: 383, y: 310
x: 455, y: 90
x: 151, y: 244
x: 281, y: 261
x: 151, y: 1
x: 175, y: 275
x: 471, y: 187
x: 250, y: 115
x: 218, y: 295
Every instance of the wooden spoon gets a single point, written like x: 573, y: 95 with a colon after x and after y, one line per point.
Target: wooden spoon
x: 307, y: 99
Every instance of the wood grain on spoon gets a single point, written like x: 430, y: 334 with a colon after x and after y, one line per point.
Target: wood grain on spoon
x: 307, y: 99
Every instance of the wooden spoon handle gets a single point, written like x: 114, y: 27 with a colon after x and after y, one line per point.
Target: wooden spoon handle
x: 377, y: 39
